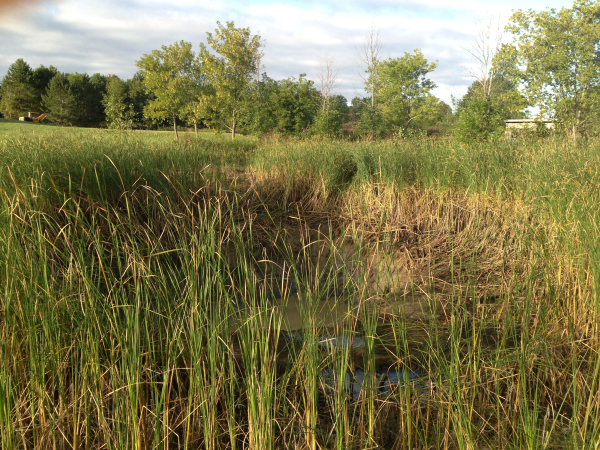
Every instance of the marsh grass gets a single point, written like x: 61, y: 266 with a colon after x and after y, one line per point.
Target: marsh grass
x: 144, y: 286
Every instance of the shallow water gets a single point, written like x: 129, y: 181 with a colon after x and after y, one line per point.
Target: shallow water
x: 383, y: 383
x: 326, y: 313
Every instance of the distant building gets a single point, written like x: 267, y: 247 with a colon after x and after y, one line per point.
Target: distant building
x: 514, y: 125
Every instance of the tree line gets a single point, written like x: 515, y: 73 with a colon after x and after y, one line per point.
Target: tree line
x: 550, y: 70
x: 223, y: 87
x: 77, y: 99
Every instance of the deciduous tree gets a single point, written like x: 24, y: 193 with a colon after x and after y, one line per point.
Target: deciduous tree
x: 487, y: 42
x: 119, y: 112
x: 173, y: 76
x: 287, y: 106
x: 405, y: 91
x: 229, y: 72
x: 481, y: 116
x: 369, y: 58
x: 138, y: 97
x: 492, y: 97
x: 329, y: 118
x: 555, y: 59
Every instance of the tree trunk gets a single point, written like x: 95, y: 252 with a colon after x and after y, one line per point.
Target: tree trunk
x: 196, y: 128
x: 233, y: 130
x: 175, y: 127
x: 373, y: 102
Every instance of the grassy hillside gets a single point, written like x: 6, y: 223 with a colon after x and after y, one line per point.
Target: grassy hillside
x: 287, y: 294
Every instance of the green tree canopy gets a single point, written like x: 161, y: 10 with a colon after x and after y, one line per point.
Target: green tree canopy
x: 18, y: 94
x: 405, y: 91
x: 138, y: 97
x: 88, y: 93
x: 555, y: 58
x: 329, y: 119
x: 173, y: 76
x: 285, y: 106
x: 59, y: 101
x: 365, y: 112
x: 119, y: 112
x: 482, y: 114
x: 229, y: 73
x: 40, y: 79
x: 41, y: 76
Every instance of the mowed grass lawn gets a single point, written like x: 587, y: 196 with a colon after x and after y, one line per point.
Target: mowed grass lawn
x: 14, y: 128
x: 11, y: 127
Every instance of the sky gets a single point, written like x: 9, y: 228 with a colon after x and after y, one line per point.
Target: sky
x: 109, y: 36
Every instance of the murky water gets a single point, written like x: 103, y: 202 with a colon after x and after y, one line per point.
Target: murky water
x: 382, y: 384
x: 322, y: 287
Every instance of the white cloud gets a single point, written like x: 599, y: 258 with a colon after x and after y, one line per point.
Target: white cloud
x: 108, y: 36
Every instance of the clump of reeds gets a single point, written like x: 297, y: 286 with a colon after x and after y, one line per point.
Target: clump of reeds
x: 145, y: 289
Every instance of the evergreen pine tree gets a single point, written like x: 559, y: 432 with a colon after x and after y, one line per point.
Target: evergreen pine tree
x: 18, y: 94
x: 59, y: 100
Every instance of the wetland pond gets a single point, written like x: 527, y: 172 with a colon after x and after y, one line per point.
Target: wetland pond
x: 344, y: 302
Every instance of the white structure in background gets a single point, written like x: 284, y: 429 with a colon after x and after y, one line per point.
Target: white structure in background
x: 514, y: 125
